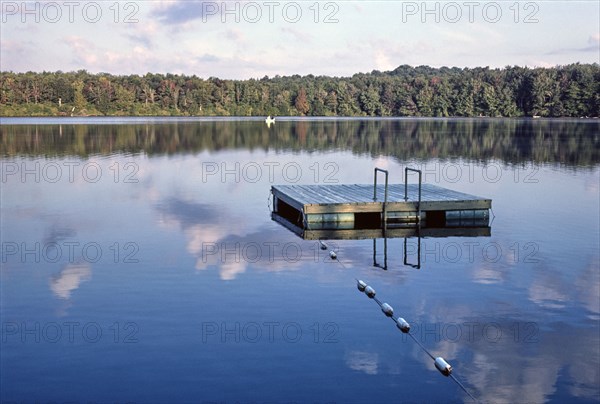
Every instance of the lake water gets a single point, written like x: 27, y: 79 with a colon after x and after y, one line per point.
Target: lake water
x: 140, y: 264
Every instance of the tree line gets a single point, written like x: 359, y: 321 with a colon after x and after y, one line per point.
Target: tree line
x: 562, y: 91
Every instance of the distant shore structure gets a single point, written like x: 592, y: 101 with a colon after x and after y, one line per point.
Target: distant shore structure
x: 269, y: 121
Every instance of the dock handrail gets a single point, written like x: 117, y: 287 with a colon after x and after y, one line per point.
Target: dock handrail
x: 406, y: 170
x: 384, y: 217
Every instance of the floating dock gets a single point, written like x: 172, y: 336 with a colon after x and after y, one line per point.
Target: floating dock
x: 363, y: 206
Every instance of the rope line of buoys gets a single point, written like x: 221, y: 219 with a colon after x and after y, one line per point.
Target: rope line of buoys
x: 440, y: 363
x: 332, y: 253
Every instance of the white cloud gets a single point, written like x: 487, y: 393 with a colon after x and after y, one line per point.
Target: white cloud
x: 588, y: 288
x: 297, y: 34
x: 382, y: 61
x: 236, y: 35
x: 366, y: 362
x: 82, y: 50
x: 180, y: 37
x: 548, y: 290
x: 69, y: 279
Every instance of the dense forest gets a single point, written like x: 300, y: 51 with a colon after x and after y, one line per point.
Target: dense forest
x: 562, y: 91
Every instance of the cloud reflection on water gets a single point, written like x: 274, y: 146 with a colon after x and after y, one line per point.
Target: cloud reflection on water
x: 229, y: 248
x: 363, y: 361
x: 69, y: 279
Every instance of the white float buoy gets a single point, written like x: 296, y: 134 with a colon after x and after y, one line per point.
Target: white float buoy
x: 403, y: 325
x: 369, y: 291
x: 387, y: 310
x: 361, y: 285
x: 323, y: 245
x: 333, y: 255
x: 443, y: 366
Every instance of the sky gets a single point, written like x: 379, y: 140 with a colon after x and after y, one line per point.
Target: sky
x: 252, y: 39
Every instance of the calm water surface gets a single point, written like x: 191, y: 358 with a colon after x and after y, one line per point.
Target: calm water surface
x: 140, y: 264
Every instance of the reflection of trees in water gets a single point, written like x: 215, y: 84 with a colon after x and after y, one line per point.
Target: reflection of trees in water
x: 570, y: 142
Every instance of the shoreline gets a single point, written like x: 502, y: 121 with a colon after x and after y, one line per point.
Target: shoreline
x: 112, y: 120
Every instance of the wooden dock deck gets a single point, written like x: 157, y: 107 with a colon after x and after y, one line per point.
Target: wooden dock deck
x: 356, y: 206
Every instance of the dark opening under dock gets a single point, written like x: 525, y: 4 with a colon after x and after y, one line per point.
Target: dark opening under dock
x: 365, y: 206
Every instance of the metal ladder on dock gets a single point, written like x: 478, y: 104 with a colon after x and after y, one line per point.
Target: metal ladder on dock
x: 384, y: 217
x: 385, y: 200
